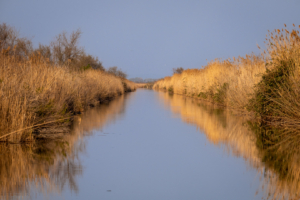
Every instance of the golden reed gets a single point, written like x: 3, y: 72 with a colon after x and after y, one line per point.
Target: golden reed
x: 249, y: 84
x: 33, y: 91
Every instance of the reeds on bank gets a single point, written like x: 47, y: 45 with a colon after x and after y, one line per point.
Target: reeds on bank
x: 38, y: 98
x: 266, y: 84
x: 223, y: 82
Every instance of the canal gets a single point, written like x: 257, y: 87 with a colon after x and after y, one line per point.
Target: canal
x: 148, y: 145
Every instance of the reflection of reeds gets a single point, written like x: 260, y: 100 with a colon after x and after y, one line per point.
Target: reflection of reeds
x: 53, y: 165
x: 218, y: 125
x: 18, y: 169
x: 279, y: 151
x: 278, y: 163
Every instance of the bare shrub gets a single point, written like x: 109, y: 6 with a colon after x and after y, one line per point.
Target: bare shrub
x: 178, y: 70
x: 66, y: 49
x: 117, y: 72
x: 8, y: 36
x: 11, y: 44
x: 88, y: 60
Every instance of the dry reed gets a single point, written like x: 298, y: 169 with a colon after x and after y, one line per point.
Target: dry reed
x: 223, y: 82
x: 33, y: 91
x: 251, y: 83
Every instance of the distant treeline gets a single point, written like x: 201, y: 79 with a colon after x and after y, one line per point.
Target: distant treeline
x: 141, y: 80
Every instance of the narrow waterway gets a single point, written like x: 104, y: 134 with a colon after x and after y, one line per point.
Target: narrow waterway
x: 146, y: 145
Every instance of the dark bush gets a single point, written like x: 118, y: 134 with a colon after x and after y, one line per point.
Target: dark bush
x: 178, y: 70
x: 117, y: 72
x: 264, y: 102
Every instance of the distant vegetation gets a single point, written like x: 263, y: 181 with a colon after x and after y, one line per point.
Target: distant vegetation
x: 117, y: 72
x: 144, y: 83
x: 140, y: 80
x: 41, y: 88
x: 267, y: 85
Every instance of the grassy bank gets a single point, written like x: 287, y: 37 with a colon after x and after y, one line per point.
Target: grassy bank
x: 266, y: 85
x: 38, y: 98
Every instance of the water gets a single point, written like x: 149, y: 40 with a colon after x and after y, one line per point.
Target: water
x: 146, y: 145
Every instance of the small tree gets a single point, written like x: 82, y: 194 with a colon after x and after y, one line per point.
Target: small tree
x: 178, y: 70
x: 117, y: 72
x: 45, y: 51
x: 85, y: 60
x: 66, y: 49
x: 12, y: 44
x: 8, y: 36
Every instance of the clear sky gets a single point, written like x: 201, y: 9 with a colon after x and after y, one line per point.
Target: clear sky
x: 147, y: 38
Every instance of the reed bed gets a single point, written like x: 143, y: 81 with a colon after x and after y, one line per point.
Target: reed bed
x: 34, y: 92
x: 266, y: 85
x: 223, y: 82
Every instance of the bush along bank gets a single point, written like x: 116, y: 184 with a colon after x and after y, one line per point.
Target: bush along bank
x: 267, y: 85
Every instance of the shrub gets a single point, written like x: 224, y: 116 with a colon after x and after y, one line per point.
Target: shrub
x: 265, y: 101
x: 178, y: 70
x: 170, y: 89
x: 117, y: 72
x: 220, y: 95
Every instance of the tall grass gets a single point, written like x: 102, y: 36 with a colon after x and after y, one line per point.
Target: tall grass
x: 224, y: 82
x: 34, y: 92
x: 276, y: 99
x: 266, y: 84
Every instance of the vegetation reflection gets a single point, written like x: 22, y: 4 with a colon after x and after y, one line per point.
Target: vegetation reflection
x: 274, y: 153
x: 51, y: 167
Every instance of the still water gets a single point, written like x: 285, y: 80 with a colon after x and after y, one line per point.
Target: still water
x: 149, y: 145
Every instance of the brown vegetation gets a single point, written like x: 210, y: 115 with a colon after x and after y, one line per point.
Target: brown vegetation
x: 267, y: 84
x: 41, y: 89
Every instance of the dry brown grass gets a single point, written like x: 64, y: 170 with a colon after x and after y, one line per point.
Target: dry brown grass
x: 281, y: 83
x: 141, y: 85
x: 145, y: 85
x: 32, y: 92
x: 239, y: 77
x: 250, y: 83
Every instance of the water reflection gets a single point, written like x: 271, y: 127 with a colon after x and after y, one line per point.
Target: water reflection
x: 51, y: 167
x: 275, y: 156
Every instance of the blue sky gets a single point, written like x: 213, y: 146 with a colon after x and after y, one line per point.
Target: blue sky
x: 148, y: 38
